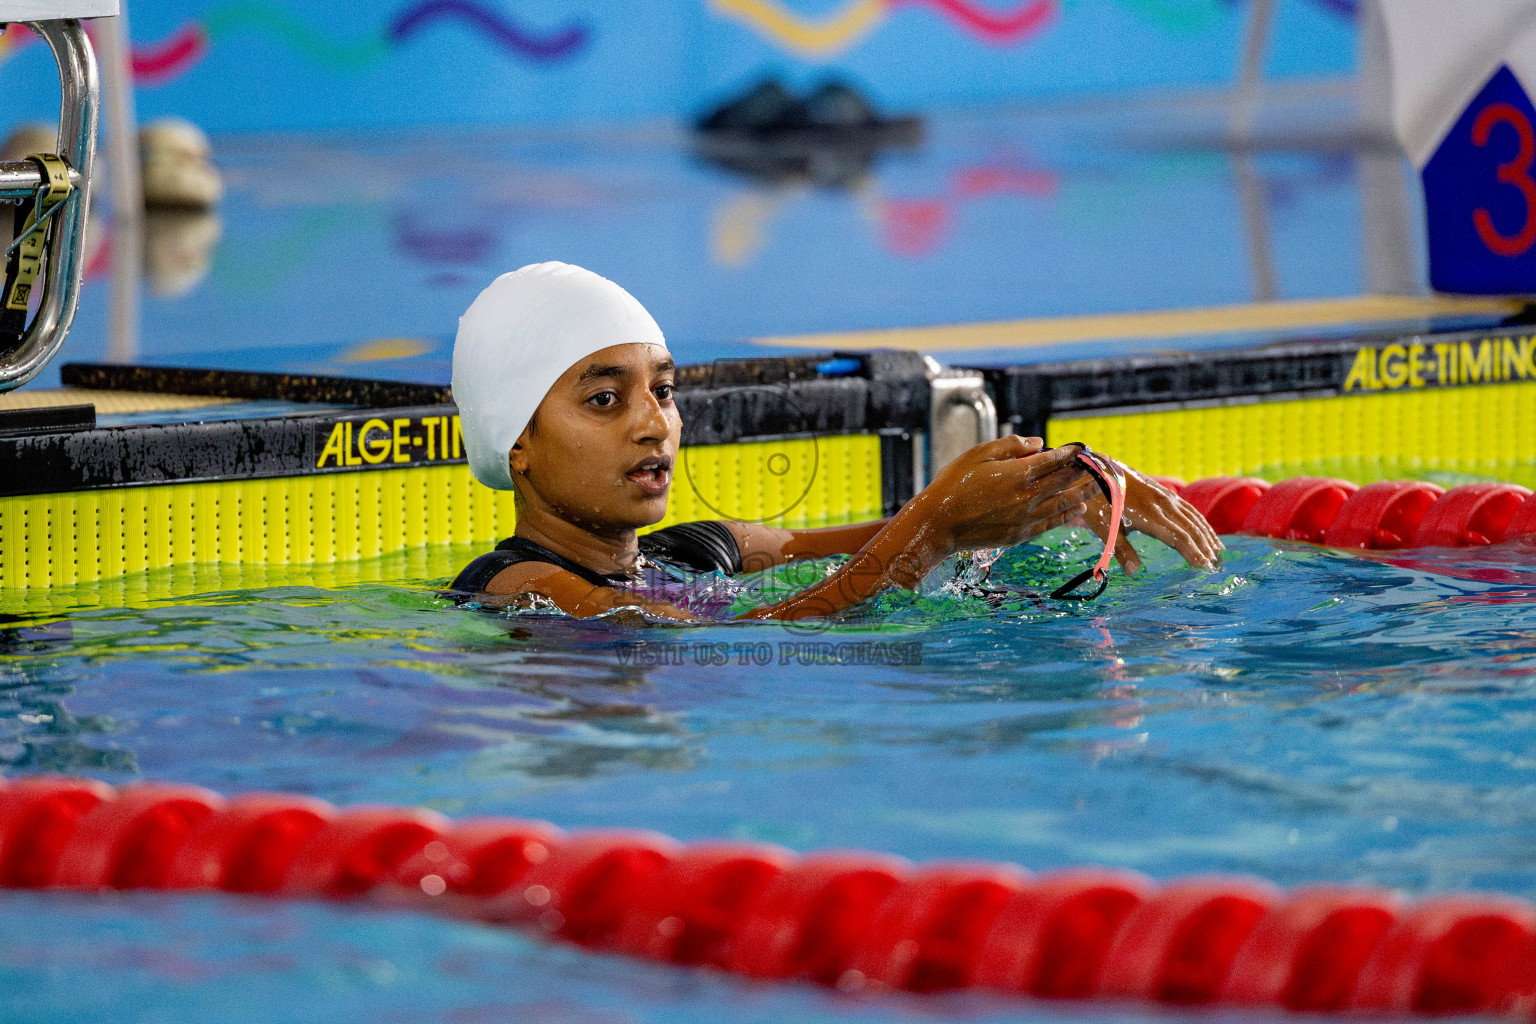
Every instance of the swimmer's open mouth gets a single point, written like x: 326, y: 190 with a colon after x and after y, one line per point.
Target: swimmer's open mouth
x: 653, y: 474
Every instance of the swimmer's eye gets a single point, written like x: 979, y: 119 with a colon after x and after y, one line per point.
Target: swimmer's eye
x: 664, y: 392
x: 603, y: 399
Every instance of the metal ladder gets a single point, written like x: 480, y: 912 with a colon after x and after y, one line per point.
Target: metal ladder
x: 22, y: 179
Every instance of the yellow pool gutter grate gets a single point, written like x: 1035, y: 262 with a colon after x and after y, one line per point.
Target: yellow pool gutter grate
x: 49, y: 540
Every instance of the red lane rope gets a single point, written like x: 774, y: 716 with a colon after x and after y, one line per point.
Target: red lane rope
x: 1383, y: 516
x: 856, y: 921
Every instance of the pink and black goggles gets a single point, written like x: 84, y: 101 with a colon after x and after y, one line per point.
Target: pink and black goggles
x: 1111, y: 480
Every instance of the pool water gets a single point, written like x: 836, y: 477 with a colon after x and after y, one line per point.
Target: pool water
x: 1299, y: 714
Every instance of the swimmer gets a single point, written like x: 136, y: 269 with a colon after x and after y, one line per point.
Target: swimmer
x: 565, y: 391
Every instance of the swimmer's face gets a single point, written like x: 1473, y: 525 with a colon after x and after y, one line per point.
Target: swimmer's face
x: 600, y: 450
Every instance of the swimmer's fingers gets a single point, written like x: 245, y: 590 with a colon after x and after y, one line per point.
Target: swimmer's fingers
x: 1126, y: 555
x: 1204, y: 527
x: 1037, y: 468
x: 1058, y: 490
x: 1183, y: 514
x: 1002, y: 462
x: 1196, y: 525
x: 1097, y: 520
x: 1158, y: 512
x: 1055, y: 510
x: 1010, y: 446
x: 1040, y: 476
x: 1069, y: 514
x: 1023, y: 453
x: 1180, y: 540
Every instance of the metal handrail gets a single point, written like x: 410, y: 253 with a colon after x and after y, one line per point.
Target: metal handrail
x: 20, y: 179
x: 66, y: 251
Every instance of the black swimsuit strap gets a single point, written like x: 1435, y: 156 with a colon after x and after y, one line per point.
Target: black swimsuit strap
x: 477, y: 575
x: 707, y: 546
x: 531, y: 552
x: 698, y: 547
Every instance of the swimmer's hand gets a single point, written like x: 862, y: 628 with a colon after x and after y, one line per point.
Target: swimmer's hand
x: 995, y: 495
x: 1158, y: 512
x: 1002, y: 493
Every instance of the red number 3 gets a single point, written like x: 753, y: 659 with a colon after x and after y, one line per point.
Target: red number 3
x: 1516, y: 172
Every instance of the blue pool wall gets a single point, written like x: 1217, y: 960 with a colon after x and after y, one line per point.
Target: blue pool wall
x: 306, y: 65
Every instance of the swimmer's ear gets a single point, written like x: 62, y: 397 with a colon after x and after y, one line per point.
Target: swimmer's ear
x: 517, y: 458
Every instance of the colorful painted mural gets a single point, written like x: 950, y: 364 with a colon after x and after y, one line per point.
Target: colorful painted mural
x: 845, y: 27
x: 167, y: 59
x: 239, y: 65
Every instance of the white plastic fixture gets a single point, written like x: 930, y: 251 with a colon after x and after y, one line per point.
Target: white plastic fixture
x: 53, y: 10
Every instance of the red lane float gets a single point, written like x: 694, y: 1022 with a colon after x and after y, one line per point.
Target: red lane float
x: 1052, y: 939
x: 129, y: 842
x: 1455, y: 954
x: 854, y: 920
x: 691, y: 913
x: 1301, y: 508
x: 248, y: 846
x: 1307, y: 953
x: 357, y: 850
x: 928, y: 931
x: 1470, y: 515
x: 583, y: 890
x: 1178, y: 946
x: 37, y: 818
x: 1523, y: 522
x: 475, y: 859
x: 1225, y: 501
x: 808, y: 922
x: 1383, y: 516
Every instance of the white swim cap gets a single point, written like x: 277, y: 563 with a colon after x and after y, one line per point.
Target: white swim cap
x: 515, y: 341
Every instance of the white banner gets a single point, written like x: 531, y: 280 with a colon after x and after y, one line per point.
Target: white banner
x: 1442, y: 52
x: 50, y: 10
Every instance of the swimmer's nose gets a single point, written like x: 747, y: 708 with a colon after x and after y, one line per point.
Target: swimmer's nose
x: 651, y: 420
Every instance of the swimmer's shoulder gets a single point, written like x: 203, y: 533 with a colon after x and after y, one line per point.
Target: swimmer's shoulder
x: 494, y: 575
x: 572, y: 593
x: 479, y: 575
x: 523, y: 577
x: 516, y: 565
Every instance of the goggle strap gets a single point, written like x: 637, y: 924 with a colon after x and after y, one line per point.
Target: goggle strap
x: 1064, y: 592
x: 1107, y: 475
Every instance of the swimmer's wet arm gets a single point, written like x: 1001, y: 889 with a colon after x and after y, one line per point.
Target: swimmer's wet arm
x: 763, y: 547
x: 996, y: 494
x: 901, y: 553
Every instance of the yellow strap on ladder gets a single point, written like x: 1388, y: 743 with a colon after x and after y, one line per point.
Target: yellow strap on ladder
x: 29, y: 244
